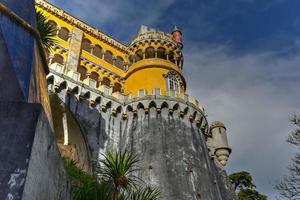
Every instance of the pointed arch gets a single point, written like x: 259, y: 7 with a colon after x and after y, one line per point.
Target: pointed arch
x: 129, y: 108
x: 119, y: 109
x: 152, y: 104
x: 164, y: 105
x: 108, y: 105
x: 140, y: 106
x: 176, y: 107
x: 186, y: 110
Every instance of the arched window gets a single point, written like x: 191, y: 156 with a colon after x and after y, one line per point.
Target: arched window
x: 57, y: 59
x: 108, y: 57
x: 131, y: 59
x: 117, y: 87
x: 53, y: 24
x: 138, y: 55
x: 172, y: 57
x: 95, y: 76
x: 150, y: 52
x: 82, y: 70
x: 173, y: 83
x: 63, y: 34
x: 105, y: 81
x: 119, y: 62
x: 86, y: 45
x: 98, y: 51
x: 161, y: 53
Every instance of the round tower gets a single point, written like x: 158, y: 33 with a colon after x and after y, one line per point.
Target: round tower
x: 220, y: 142
x: 155, y: 64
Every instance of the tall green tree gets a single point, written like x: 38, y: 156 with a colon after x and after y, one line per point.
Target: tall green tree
x: 289, y: 187
x: 244, y: 186
x: 46, y: 30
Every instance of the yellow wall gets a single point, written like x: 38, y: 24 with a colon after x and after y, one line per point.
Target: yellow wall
x: 148, y: 78
x: 145, y: 74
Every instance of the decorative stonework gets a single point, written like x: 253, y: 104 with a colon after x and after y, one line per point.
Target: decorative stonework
x: 76, y: 22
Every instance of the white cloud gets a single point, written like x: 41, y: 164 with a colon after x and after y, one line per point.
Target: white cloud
x: 254, y: 95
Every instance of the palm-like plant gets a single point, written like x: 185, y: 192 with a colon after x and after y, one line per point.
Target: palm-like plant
x: 118, y: 169
x: 46, y: 30
x: 142, y: 193
x: 84, y: 185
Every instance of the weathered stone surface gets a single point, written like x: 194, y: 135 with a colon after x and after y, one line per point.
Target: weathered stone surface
x: 46, y: 177
x: 30, y: 164
x: 31, y: 167
x: 173, y: 150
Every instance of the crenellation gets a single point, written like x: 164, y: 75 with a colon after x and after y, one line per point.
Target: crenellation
x: 134, y: 97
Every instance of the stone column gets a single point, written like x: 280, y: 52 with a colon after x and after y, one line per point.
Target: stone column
x: 65, y: 128
x: 74, y: 51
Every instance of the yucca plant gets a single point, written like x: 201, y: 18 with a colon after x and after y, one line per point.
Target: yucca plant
x: 118, y: 171
x: 46, y: 30
x: 141, y: 193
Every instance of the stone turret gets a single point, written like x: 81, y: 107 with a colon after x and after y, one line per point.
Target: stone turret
x: 177, y: 36
x: 219, y: 142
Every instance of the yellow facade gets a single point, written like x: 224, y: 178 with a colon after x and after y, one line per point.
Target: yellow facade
x: 151, y: 62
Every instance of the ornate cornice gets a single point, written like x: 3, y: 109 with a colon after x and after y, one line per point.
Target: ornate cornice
x: 81, y: 25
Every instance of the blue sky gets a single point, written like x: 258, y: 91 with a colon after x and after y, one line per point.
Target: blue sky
x: 242, y: 61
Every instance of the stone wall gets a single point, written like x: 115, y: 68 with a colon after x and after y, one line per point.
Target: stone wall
x: 172, y: 147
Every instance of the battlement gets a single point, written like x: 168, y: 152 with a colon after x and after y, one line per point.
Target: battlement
x: 88, y: 89
x: 123, y: 106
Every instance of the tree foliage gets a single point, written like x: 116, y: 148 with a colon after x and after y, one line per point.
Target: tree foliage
x: 289, y: 187
x: 84, y: 185
x: 250, y: 194
x: 46, y: 30
x: 115, y: 180
x: 244, y: 186
x: 118, y: 170
x: 241, y: 180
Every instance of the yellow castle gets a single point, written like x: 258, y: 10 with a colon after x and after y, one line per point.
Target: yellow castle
x: 151, y: 64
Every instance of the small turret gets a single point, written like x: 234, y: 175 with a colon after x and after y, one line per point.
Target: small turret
x: 177, y: 36
x: 219, y: 142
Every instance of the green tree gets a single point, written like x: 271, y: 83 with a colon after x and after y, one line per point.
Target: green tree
x: 241, y: 180
x: 250, y: 194
x: 46, y: 30
x: 244, y: 186
x: 289, y: 187
x: 84, y: 185
x: 115, y: 180
x: 118, y: 171
x: 141, y: 193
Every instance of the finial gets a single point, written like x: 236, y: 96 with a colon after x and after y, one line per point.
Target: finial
x: 176, y: 29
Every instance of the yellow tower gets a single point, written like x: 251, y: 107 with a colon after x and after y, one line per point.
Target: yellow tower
x: 155, y: 64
